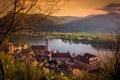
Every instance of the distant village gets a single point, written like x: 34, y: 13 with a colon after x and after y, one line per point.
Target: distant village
x: 31, y: 33
x: 60, y: 61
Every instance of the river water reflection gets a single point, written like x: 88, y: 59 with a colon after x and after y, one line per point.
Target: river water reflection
x: 64, y: 46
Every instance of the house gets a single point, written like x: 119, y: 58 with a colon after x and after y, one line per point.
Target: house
x: 39, y: 49
x: 87, y: 61
x: 11, y: 48
x: 60, y: 56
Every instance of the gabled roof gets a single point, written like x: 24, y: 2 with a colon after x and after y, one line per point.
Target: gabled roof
x: 87, y: 55
x: 42, y: 47
x: 84, y: 57
x: 61, y: 55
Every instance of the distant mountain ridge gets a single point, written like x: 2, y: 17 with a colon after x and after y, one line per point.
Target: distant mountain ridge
x: 70, y: 18
x: 35, y: 21
x: 96, y: 23
x: 92, y: 23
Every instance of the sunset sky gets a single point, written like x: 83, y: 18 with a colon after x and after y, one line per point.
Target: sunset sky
x: 87, y: 7
x: 81, y: 7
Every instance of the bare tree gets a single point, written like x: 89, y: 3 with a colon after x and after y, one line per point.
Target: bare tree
x: 19, y: 8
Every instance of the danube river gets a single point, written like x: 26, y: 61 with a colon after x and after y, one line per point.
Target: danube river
x: 66, y: 45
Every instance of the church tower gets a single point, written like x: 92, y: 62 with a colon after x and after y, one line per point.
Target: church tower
x: 47, y: 43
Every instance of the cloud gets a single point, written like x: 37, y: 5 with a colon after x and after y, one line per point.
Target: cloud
x: 113, y: 7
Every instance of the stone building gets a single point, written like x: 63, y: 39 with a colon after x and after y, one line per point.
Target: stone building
x: 41, y: 49
x: 58, y: 56
x: 12, y: 48
x: 87, y: 61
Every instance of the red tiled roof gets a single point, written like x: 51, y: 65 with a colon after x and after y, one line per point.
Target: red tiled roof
x: 38, y: 47
x: 85, y: 57
x: 61, y: 55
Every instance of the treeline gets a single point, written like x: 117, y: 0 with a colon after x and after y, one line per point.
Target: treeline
x: 80, y: 36
x: 97, y: 40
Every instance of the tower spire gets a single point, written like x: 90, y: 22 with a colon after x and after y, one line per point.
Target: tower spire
x: 47, y: 43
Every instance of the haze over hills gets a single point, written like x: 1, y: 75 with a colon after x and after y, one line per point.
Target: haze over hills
x: 35, y: 21
x: 97, y: 23
x: 93, y: 23
x: 70, y: 18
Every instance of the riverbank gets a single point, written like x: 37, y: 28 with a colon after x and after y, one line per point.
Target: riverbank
x: 97, y: 40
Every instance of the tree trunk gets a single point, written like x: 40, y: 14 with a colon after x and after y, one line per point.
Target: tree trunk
x: 2, y: 71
